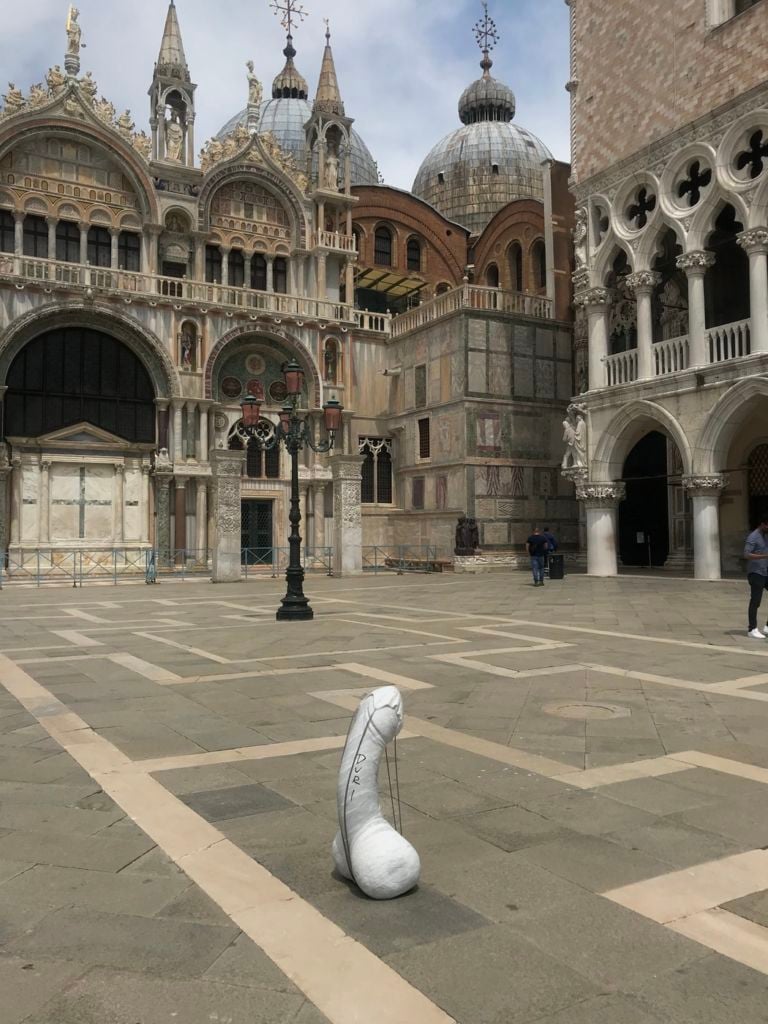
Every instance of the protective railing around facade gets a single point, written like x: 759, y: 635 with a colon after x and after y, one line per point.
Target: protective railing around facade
x: 402, y: 558
x: 154, y: 286
x: 723, y: 344
x: 77, y: 567
x: 471, y: 296
x: 336, y: 240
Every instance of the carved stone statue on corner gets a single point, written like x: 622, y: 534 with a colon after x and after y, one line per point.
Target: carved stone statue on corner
x: 74, y: 33
x: 575, y: 437
x: 255, y: 88
x: 367, y: 849
x: 174, y: 137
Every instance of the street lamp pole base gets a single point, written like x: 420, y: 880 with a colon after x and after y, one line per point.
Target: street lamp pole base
x: 294, y: 611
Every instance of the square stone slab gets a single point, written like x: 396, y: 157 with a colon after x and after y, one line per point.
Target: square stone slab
x: 235, y: 802
x: 419, y: 917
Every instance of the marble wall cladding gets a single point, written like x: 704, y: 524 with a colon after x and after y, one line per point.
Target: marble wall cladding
x: 545, y: 343
x: 447, y: 435
x: 478, y: 334
x: 134, y: 514
x: 65, y: 495
x: 523, y: 339
x: 30, y: 503
x: 545, y: 378
x: 564, y: 381
x: 478, y: 373
x: 499, y: 336
x: 99, y: 496
x: 522, y: 377
x: 499, y: 374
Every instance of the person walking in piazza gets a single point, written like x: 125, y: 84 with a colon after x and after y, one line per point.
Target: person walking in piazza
x: 551, y: 546
x: 756, y: 555
x: 537, y: 546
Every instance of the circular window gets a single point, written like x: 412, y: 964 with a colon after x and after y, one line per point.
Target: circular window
x: 690, y: 188
x: 640, y: 208
x: 751, y: 159
x: 278, y: 392
x: 231, y: 387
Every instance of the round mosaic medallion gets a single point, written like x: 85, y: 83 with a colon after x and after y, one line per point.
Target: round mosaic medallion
x: 583, y: 711
x: 255, y: 388
x: 231, y: 387
x: 255, y: 364
x: 220, y: 421
x: 278, y: 392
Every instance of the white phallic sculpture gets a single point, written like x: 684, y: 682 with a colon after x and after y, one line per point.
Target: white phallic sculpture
x: 367, y: 849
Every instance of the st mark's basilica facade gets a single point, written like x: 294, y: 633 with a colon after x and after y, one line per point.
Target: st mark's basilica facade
x: 146, y: 289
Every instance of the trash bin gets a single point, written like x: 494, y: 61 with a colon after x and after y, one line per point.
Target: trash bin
x: 556, y: 567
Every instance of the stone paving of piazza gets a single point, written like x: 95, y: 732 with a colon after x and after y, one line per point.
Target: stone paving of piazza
x: 583, y: 771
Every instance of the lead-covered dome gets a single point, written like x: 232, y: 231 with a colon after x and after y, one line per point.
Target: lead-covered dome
x: 475, y: 171
x: 286, y: 114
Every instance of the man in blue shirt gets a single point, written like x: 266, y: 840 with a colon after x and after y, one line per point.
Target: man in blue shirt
x: 756, y: 554
x: 538, y: 545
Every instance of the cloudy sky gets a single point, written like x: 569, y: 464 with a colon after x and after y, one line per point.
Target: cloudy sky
x: 402, y: 64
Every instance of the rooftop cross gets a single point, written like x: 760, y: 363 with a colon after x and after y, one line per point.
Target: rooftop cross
x: 487, y: 36
x: 289, y: 12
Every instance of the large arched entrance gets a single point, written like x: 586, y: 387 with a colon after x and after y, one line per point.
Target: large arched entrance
x: 80, y: 421
x: 655, y: 517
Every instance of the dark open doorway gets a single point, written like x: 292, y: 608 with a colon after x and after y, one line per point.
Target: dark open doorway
x: 256, y: 532
x: 644, y: 515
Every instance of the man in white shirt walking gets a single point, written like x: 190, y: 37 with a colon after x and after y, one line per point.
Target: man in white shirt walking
x: 756, y: 554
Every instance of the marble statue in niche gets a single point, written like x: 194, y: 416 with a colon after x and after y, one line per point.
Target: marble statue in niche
x: 174, y: 137
x: 575, y: 437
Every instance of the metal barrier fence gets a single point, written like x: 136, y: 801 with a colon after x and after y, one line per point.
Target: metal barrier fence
x: 274, y: 561
x: 74, y: 567
x: 402, y: 558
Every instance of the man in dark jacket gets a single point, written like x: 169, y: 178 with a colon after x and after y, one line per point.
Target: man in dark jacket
x: 537, y: 546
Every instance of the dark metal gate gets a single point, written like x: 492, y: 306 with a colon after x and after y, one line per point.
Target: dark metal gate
x: 256, y: 532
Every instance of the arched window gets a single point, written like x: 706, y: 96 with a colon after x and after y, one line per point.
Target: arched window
x: 383, y: 248
x: 280, y: 275
x: 331, y: 366
x: 414, y: 254
x: 262, y: 463
x: 36, y: 237
x: 236, y: 268
x: 67, y: 242
x: 259, y: 272
x: 726, y: 284
x: 539, y: 260
x: 7, y: 232
x: 492, y: 276
x: 99, y: 247
x: 516, y: 267
x: 213, y: 264
x: 76, y: 374
x: 442, y: 288
x: 129, y: 251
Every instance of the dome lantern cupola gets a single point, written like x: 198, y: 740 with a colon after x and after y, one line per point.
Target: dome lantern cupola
x: 489, y: 161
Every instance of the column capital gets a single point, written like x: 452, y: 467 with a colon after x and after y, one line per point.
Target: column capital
x: 601, y: 495
x: 705, y: 486
x: 643, y: 281
x: 754, y: 240
x: 695, y: 263
x: 180, y: 482
x: 52, y: 222
x: 593, y: 297
x: 119, y: 468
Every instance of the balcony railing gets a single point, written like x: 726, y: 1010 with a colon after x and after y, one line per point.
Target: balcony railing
x: 731, y: 341
x: 670, y: 356
x: 336, y: 240
x: 175, y: 289
x: 470, y: 296
x: 381, y: 323
x: 622, y: 367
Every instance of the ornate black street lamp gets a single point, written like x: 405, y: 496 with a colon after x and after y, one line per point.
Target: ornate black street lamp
x: 295, y: 432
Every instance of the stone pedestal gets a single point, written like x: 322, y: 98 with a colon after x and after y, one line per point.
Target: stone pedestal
x: 227, y: 470
x: 705, y: 492
x: 163, y: 477
x: 601, y: 501
x: 347, y: 515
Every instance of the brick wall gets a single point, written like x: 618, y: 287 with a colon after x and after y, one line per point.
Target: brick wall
x: 646, y: 69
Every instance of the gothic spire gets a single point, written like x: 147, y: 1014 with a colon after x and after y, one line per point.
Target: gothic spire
x: 328, y: 99
x: 172, y: 60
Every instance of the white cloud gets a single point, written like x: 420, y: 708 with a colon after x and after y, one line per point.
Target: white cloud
x: 402, y: 63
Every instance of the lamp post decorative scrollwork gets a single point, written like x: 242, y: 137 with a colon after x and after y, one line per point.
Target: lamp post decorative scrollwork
x: 295, y: 432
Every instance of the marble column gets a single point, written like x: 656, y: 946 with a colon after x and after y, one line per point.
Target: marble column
x: 755, y: 244
x: 643, y: 284
x: 224, y: 265
x: 118, y: 507
x: 227, y: 467
x: 211, y: 504
x: 144, y: 529
x: 695, y: 265
x: 270, y: 273
x: 17, y: 505
x: 349, y: 282
x: 18, y: 233
x: 319, y: 511
x: 704, y: 492
x: 247, y: 263
x: 5, y: 481
x: 202, y: 449
x: 322, y: 275
x: 201, y: 519
x: 161, y: 405
x: 84, y: 241
x: 601, y: 501
x: 163, y: 513
x: 178, y: 451
x: 114, y: 235
x: 191, y: 446
x: 45, y: 502
x: 347, y: 514
x: 180, y: 516
x: 190, y: 139
x: 596, y: 301
x: 52, y: 223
